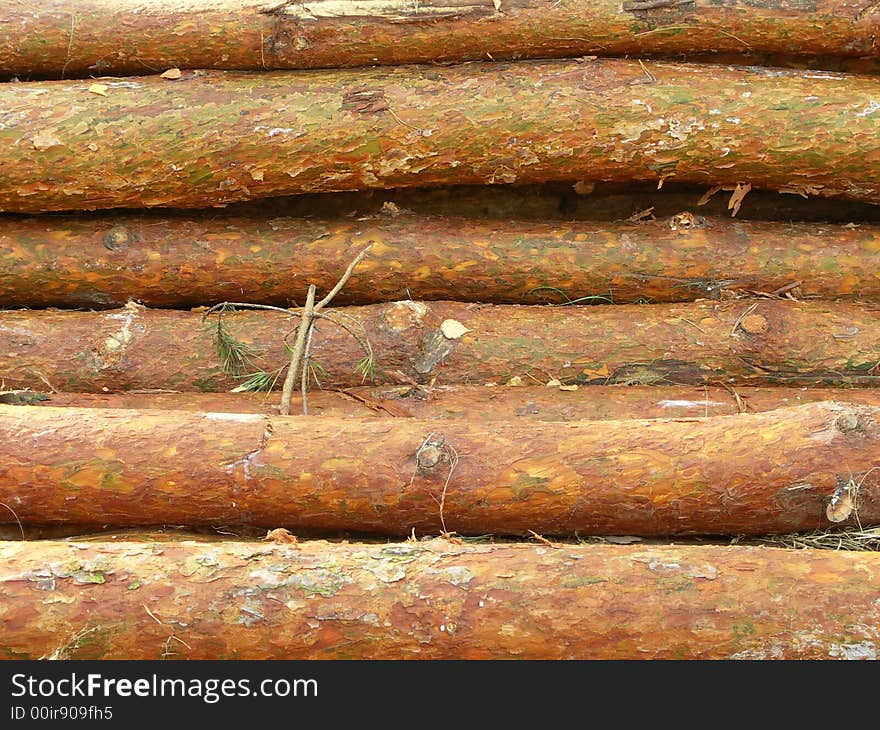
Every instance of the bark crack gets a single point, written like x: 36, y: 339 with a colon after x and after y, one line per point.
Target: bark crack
x: 251, y: 458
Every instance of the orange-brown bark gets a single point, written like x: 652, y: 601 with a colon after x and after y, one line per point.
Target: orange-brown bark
x: 477, y: 402
x: 214, y: 137
x: 741, y: 474
x: 91, y: 37
x: 181, y: 261
x: 743, y: 342
x: 434, y: 600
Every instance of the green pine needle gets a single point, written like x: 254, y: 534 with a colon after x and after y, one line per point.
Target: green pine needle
x: 234, y: 354
x: 259, y: 382
x: 367, y: 369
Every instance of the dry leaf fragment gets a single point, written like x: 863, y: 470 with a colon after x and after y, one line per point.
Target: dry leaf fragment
x: 736, y: 198
x: 707, y: 196
x: 280, y: 536
x: 452, y: 329
x: 99, y: 89
x: 257, y: 175
x: 568, y: 387
x: 44, y: 139
x: 553, y: 383
x: 497, y: 4
x: 598, y: 374
x: 646, y: 214
x: 171, y: 73
x: 515, y: 382
x: 391, y: 209
x: 842, y: 503
x: 805, y: 191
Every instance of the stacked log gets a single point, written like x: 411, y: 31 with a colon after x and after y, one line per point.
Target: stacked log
x: 433, y: 600
x: 213, y: 137
x: 99, y: 37
x: 187, y: 261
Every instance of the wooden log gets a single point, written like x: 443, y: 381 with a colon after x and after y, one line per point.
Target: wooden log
x: 477, y: 402
x: 77, y: 38
x: 213, y: 137
x: 760, y: 342
x: 785, y: 470
x: 180, y: 261
x: 434, y: 600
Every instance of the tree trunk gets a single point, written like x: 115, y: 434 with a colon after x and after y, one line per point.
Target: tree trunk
x: 434, y: 600
x: 178, y: 261
x: 213, y: 137
x: 777, y: 471
x: 71, y: 37
x: 743, y: 342
x: 476, y: 402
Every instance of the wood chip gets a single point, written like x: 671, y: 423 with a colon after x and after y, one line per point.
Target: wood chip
x: 280, y: 536
x: 736, y: 199
x: 452, y: 329
x: 44, y: 139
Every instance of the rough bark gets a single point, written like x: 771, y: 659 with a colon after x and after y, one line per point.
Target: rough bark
x: 434, y: 600
x: 476, y: 402
x: 179, y: 261
x: 760, y: 342
x: 213, y: 137
x: 72, y: 37
x: 743, y: 474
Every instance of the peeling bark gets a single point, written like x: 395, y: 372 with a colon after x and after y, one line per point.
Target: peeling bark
x: 477, y: 402
x: 77, y: 38
x: 759, y: 342
x: 434, y: 600
x: 213, y: 137
x: 743, y: 474
x: 178, y: 261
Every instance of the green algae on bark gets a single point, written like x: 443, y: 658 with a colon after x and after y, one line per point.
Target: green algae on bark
x: 180, y: 260
x: 212, y: 137
x: 436, y: 600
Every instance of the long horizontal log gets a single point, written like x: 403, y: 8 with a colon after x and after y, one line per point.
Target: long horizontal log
x: 465, y: 402
x: 214, y: 137
x: 785, y: 470
x: 434, y: 600
x: 760, y: 342
x: 95, y: 37
x: 179, y: 261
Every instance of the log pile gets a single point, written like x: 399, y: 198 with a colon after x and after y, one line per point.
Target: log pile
x: 515, y: 329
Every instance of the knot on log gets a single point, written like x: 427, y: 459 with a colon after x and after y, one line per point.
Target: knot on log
x: 754, y: 324
x: 118, y: 237
x: 430, y: 453
x: 849, y: 422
